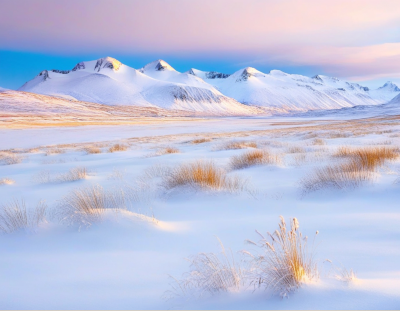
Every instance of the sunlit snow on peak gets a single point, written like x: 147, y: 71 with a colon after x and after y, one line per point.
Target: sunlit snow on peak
x: 158, y: 65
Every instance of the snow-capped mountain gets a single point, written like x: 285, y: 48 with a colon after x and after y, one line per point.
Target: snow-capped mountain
x: 385, y: 93
x: 107, y: 81
x: 390, y: 87
x: 292, y: 92
x: 158, y: 84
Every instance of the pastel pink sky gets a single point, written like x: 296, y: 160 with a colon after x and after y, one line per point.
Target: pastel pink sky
x: 353, y: 38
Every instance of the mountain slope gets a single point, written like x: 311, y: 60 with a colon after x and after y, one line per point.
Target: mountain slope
x: 107, y: 81
x: 395, y: 101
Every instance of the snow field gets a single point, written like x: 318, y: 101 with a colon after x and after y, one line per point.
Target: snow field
x: 124, y: 258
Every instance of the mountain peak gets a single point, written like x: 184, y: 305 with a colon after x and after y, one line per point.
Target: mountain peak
x: 107, y: 62
x: 246, y: 73
x: 390, y: 86
x: 157, y: 65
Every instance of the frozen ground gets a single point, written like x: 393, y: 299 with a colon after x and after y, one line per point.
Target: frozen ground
x: 125, y: 262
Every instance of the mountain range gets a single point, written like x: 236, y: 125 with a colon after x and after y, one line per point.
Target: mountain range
x: 247, y: 91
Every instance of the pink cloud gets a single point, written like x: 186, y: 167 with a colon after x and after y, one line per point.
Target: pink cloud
x: 336, y: 34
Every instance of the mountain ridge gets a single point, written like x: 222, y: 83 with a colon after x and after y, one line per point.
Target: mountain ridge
x: 158, y: 84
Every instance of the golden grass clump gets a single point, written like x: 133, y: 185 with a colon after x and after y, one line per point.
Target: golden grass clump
x: 92, y: 150
x: 341, y: 176
x: 369, y: 157
x: 238, y: 145
x: 15, y: 216
x: 6, y: 181
x: 253, y: 157
x: 286, y: 261
x: 203, y: 174
x: 167, y: 150
x: 360, y: 167
x: 200, y: 140
x: 117, y: 147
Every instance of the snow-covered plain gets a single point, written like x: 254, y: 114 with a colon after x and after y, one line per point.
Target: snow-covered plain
x: 125, y: 262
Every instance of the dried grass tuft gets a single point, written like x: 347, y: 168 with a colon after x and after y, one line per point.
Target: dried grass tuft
x: 92, y: 150
x: 205, y: 175
x: 77, y: 173
x: 74, y: 174
x: 167, y: 150
x: 201, y: 140
x: 117, y: 148
x: 238, y: 145
x: 254, y: 157
x: 286, y: 261
x: 10, y: 158
x: 360, y: 167
x: 85, y: 206
x: 15, y: 216
x: 369, y: 157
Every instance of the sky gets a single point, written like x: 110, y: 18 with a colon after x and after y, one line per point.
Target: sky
x: 357, y: 40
